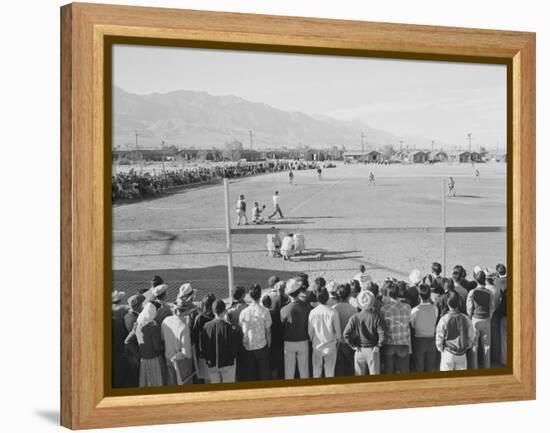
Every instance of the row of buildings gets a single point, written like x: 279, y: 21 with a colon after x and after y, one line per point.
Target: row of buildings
x: 172, y: 153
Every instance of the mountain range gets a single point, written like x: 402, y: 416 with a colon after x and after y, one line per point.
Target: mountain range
x: 197, y: 119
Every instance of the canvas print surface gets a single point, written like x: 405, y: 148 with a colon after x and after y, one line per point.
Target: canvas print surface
x: 290, y: 216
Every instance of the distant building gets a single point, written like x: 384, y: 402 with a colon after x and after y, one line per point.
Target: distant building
x: 418, y: 156
x: 252, y: 155
x: 439, y: 156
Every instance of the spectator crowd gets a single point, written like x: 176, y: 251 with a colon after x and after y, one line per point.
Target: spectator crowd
x: 302, y: 329
x: 133, y: 184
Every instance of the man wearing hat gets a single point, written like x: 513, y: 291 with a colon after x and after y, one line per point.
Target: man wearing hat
x: 118, y: 310
x: 186, y: 293
x: 294, y: 319
x: 480, y: 306
x: 131, y: 349
x: 176, y: 333
x: 365, y: 333
x: 164, y: 309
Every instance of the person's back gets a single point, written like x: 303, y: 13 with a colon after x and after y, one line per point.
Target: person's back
x: 322, y: 329
x: 294, y: 320
x: 480, y: 303
x: 345, y: 311
x: 219, y: 343
x: 455, y: 330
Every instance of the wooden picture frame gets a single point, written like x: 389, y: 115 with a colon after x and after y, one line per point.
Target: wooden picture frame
x: 85, y: 218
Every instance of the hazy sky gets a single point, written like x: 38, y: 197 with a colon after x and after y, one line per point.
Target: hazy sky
x: 438, y: 100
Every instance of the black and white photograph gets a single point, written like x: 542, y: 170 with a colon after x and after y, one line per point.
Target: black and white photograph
x: 299, y: 216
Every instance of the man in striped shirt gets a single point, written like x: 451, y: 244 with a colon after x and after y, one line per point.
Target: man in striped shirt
x: 396, y: 316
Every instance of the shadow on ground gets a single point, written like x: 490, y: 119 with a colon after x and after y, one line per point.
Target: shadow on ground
x: 50, y: 415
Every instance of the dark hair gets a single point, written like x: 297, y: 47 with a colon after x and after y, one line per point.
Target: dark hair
x: 207, y: 302
x: 424, y: 292
x: 322, y: 295
x: 393, y: 290
x: 238, y: 293
x: 219, y: 307
x: 303, y: 277
x: 274, y: 279
x: 320, y: 282
x: 161, y: 296
x: 373, y: 287
x: 255, y: 292
x: 457, y: 275
x: 448, y: 284
x: 362, y: 268
x: 355, y: 287
x: 343, y: 292
x: 266, y: 301
x: 480, y: 278
x: 461, y: 272
x: 156, y: 281
x: 402, y: 289
x: 453, y: 300
x: 501, y: 269
x: 436, y: 268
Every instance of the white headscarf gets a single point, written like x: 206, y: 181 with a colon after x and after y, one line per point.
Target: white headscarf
x: 146, y: 316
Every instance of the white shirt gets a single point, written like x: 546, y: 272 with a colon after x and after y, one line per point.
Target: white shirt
x: 275, y: 200
x: 324, y: 328
x: 255, y: 320
x: 363, y: 279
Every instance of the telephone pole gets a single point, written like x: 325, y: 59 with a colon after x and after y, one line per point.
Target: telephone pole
x: 401, y: 146
x: 433, y: 143
x: 470, y: 145
x: 362, y: 148
x: 250, y: 134
x: 137, y: 152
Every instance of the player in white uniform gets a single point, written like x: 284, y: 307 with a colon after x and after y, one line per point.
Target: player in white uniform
x: 276, y: 206
x: 362, y: 277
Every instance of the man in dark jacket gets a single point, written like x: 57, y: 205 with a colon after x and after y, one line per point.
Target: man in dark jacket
x: 219, y: 346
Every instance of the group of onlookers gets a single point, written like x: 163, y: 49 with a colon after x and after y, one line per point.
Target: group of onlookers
x: 297, y: 329
x: 133, y: 184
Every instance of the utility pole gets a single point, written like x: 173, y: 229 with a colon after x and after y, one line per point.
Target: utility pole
x: 433, y: 143
x: 401, y: 147
x: 470, y: 146
x: 362, y: 148
x: 250, y: 134
x: 137, y: 152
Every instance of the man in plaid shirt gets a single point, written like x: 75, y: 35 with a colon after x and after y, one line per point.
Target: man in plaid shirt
x: 397, y: 348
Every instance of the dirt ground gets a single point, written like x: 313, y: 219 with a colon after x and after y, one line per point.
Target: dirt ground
x: 391, y: 227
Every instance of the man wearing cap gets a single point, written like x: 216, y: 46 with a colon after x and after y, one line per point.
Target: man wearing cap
x: 164, y: 309
x: 176, y: 333
x: 365, y: 333
x: 332, y: 289
x: 412, y: 289
x: 423, y: 323
x: 255, y: 322
x: 325, y: 334
x: 397, y: 348
x: 294, y: 319
x: 454, y: 335
x: 362, y: 277
x: 480, y: 306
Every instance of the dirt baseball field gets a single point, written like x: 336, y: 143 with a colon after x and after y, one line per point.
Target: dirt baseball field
x: 390, y: 227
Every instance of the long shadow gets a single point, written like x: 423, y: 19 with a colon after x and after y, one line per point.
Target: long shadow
x: 298, y: 259
x: 212, y: 279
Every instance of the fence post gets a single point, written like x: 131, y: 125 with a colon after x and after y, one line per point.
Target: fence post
x: 228, y: 237
x: 443, y: 226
